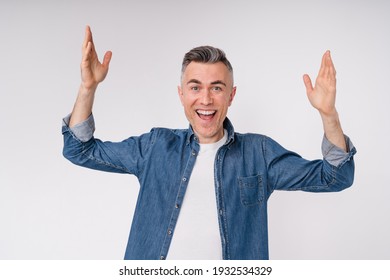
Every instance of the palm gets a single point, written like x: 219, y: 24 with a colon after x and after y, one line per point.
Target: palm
x: 92, y: 71
x: 323, y: 95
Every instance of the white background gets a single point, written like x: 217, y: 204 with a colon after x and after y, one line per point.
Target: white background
x: 51, y: 209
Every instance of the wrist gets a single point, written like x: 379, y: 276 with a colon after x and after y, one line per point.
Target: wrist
x: 329, y: 115
x: 330, y: 120
x: 87, y: 89
x: 333, y: 130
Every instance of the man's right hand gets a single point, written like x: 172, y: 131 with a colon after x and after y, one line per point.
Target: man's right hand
x: 92, y: 73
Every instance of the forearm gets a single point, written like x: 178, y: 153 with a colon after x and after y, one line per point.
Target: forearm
x: 83, y: 106
x: 333, y: 130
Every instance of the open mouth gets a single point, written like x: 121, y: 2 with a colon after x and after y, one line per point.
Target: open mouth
x: 206, y: 114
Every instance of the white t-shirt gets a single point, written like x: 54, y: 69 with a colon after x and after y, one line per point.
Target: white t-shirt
x: 197, y: 235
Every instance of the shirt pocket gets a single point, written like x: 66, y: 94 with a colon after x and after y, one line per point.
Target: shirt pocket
x: 251, y: 190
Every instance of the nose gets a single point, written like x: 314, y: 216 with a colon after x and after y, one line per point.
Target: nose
x: 206, y: 98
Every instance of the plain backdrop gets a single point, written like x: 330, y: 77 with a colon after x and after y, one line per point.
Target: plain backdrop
x: 51, y: 209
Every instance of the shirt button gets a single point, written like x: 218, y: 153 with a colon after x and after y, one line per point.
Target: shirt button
x: 169, y: 232
x: 193, y: 153
x: 162, y: 258
x: 184, y: 179
x: 177, y: 206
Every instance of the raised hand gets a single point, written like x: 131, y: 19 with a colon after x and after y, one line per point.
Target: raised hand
x: 323, y: 95
x: 92, y: 71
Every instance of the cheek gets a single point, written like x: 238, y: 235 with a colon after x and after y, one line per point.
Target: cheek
x: 226, y: 102
x: 187, y: 107
x: 187, y: 101
x: 182, y: 99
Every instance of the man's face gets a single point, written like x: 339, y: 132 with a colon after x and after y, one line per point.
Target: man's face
x: 206, y: 92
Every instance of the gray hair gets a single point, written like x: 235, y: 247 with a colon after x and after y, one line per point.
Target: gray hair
x: 205, y: 54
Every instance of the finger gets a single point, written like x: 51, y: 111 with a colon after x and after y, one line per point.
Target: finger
x: 88, y: 39
x: 91, y: 39
x: 308, y: 83
x: 89, y: 33
x: 87, y: 36
x: 323, y: 69
x: 332, y: 69
x: 87, y: 52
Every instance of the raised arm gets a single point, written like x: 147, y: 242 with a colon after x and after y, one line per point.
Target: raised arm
x: 323, y: 97
x: 92, y: 73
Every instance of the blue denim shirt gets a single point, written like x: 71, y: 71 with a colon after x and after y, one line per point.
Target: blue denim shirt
x: 248, y: 168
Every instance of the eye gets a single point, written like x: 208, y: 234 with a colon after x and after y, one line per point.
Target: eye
x: 217, y: 88
x: 195, y: 88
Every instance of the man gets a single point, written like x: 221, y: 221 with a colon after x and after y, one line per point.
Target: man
x: 204, y: 190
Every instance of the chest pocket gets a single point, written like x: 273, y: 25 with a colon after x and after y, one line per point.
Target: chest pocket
x: 251, y: 190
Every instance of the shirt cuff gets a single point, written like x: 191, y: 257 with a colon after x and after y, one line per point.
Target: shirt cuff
x: 84, y: 130
x: 335, y: 155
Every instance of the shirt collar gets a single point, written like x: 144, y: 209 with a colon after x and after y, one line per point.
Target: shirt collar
x: 226, y: 125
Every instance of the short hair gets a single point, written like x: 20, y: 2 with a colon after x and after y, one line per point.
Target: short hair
x: 205, y: 54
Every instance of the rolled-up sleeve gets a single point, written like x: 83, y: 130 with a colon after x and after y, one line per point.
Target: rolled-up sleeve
x: 83, y: 131
x: 335, y: 155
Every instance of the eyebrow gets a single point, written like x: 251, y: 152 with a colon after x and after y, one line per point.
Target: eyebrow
x: 218, y: 82
x: 195, y: 81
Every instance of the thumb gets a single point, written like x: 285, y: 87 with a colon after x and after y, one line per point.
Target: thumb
x: 308, y: 84
x: 107, y: 59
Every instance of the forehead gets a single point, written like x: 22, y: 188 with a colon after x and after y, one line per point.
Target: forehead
x: 207, y: 72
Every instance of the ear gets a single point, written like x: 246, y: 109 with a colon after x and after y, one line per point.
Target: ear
x: 180, y: 93
x: 232, y: 95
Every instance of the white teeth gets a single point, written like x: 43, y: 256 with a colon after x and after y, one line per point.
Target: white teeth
x: 206, y: 113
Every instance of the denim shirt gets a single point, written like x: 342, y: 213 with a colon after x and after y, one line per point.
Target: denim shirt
x: 248, y: 168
